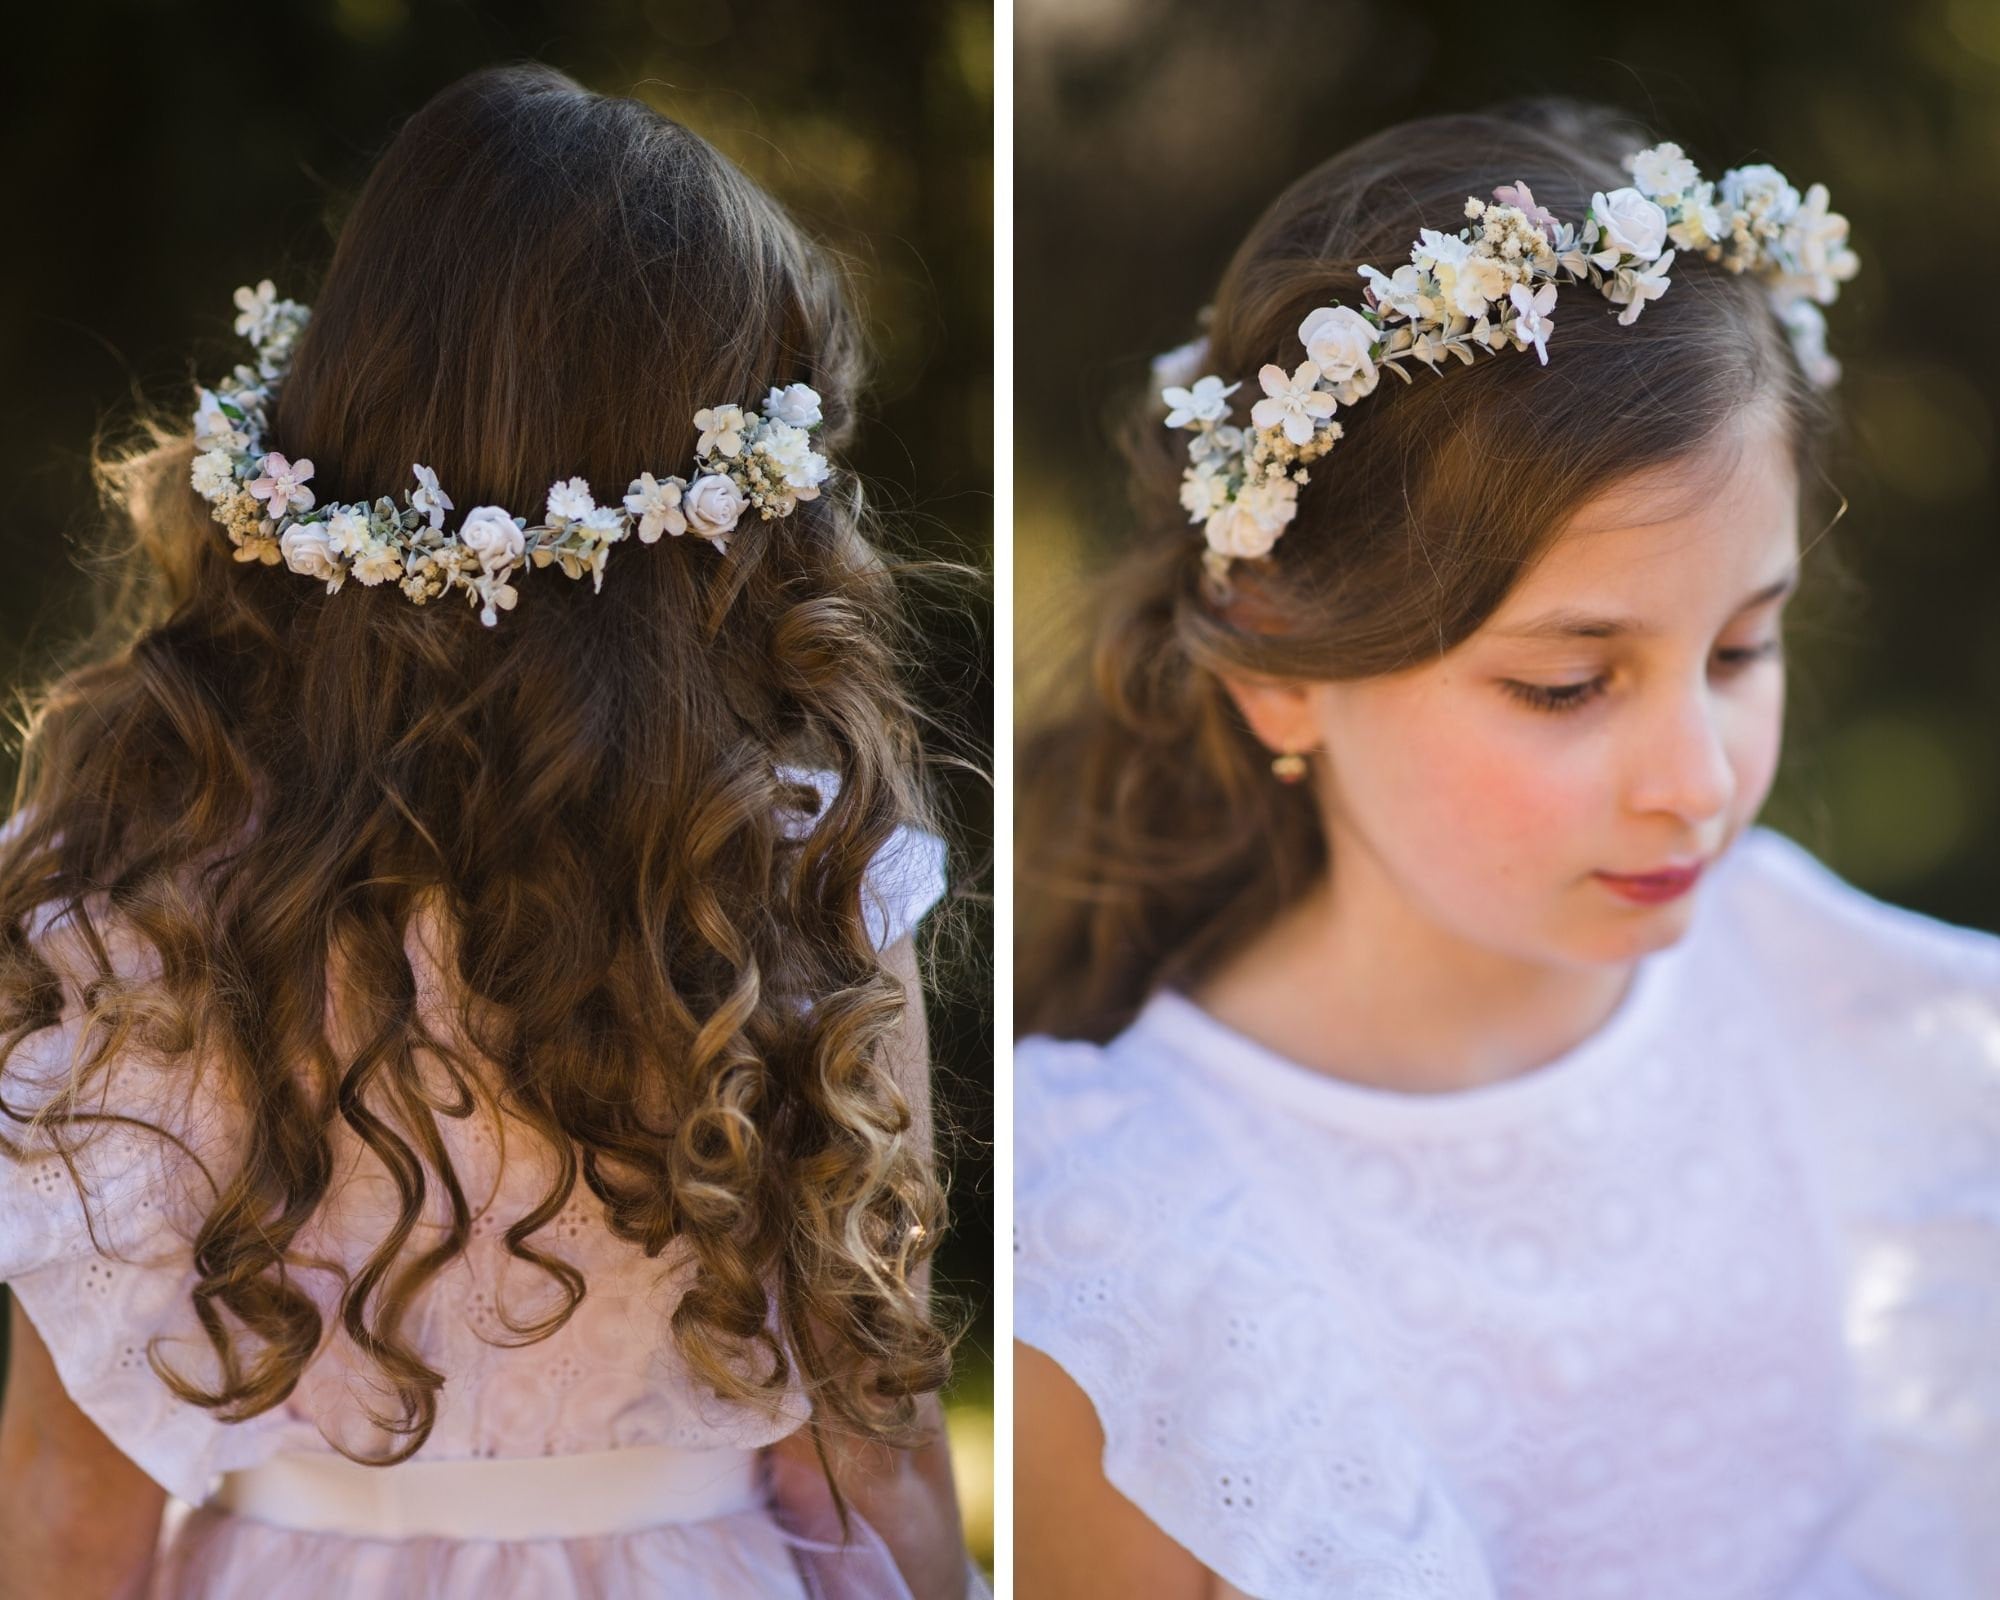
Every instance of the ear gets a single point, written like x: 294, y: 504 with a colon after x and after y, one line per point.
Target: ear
x: 1279, y: 713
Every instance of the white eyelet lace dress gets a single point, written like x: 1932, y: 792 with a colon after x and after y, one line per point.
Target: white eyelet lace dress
x: 1708, y: 1308
x: 590, y: 1464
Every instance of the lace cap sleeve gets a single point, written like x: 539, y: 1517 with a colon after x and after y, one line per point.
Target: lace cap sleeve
x: 906, y: 878
x: 1151, y: 1264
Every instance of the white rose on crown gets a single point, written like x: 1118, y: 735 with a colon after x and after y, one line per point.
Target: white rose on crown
x: 305, y: 550
x: 1629, y: 223
x: 712, y: 505
x: 494, y: 537
x: 796, y: 404
x: 1339, y: 341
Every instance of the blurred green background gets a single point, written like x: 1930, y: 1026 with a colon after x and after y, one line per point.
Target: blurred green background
x: 1149, y: 135
x: 161, y: 155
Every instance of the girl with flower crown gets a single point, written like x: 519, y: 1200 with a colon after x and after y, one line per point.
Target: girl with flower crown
x: 1460, y: 1154
x: 466, y: 1113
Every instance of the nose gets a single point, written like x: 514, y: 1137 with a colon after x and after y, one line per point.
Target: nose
x: 1682, y: 763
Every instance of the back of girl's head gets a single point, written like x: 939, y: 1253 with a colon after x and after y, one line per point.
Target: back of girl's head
x: 536, y: 282
x: 1153, y: 838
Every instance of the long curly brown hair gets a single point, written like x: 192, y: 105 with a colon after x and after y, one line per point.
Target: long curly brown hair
x: 266, y: 785
x: 1151, y: 839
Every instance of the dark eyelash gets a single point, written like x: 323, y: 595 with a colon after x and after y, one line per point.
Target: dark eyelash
x: 1571, y: 696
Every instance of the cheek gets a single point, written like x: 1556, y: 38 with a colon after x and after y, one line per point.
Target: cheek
x: 1454, y: 791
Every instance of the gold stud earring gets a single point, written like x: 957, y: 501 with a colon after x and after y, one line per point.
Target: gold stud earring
x: 1289, y: 767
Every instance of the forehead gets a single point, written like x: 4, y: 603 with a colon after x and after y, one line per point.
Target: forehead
x: 1680, y: 536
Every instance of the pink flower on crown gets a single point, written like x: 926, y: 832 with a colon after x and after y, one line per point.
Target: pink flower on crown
x: 1522, y: 198
x: 282, y: 484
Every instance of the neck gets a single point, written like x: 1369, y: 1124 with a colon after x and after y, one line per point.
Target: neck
x: 1356, y: 982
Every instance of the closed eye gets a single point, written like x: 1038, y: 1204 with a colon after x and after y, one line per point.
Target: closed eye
x: 1562, y: 697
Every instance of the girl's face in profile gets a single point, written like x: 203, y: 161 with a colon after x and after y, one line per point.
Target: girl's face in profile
x: 1620, y: 713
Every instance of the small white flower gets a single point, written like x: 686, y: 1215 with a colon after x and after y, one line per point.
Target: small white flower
x: 1532, y: 324
x: 1634, y: 286
x: 378, y: 561
x: 1213, y: 445
x: 1815, y: 245
x: 721, y: 429
x: 606, y: 522
x: 1203, y: 493
x: 656, y: 502
x: 257, y: 307
x: 282, y: 484
x: 569, y: 501
x: 1292, y: 404
x: 1630, y: 222
x: 1661, y: 170
x: 1434, y: 249
x: 213, y: 475
x: 214, y: 428
x: 711, y: 505
x: 347, y: 532
x: 1403, y: 293
x: 1699, y: 222
x: 796, y: 403
x: 1762, y: 191
x: 429, y: 498
x: 790, y: 450
x: 1180, y: 366
x: 1475, y: 284
x: 1207, y: 401
x: 305, y: 550
x: 1250, y: 524
x: 496, y: 538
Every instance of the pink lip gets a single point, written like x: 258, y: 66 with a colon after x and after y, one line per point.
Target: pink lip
x: 1653, y: 888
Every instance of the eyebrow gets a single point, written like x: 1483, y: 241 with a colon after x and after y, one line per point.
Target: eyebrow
x: 1581, y: 625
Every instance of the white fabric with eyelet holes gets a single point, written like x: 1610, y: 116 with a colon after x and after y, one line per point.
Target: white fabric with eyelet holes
x: 1704, y: 1309
x: 609, y: 1381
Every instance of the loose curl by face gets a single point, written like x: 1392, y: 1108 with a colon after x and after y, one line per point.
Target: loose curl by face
x: 269, y: 786
x: 1153, y: 841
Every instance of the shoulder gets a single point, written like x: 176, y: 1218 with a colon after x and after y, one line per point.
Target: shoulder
x: 1152, y: 1265
x: 1799, y: 922
x: 1884, y: 1024
x: 1123, y: 1189
x: 1107, y: 1119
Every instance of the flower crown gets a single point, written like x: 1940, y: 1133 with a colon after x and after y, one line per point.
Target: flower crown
x: 744, y: 460
x: 1484, y: 289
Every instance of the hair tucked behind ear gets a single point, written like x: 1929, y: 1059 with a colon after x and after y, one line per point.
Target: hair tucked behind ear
x: 1153, y: 839
x: 269, y: 787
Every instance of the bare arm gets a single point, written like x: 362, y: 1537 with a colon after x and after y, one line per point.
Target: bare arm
x: 77, y: 1518
x: 1075, y: 1536
x: 907, y: 1496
